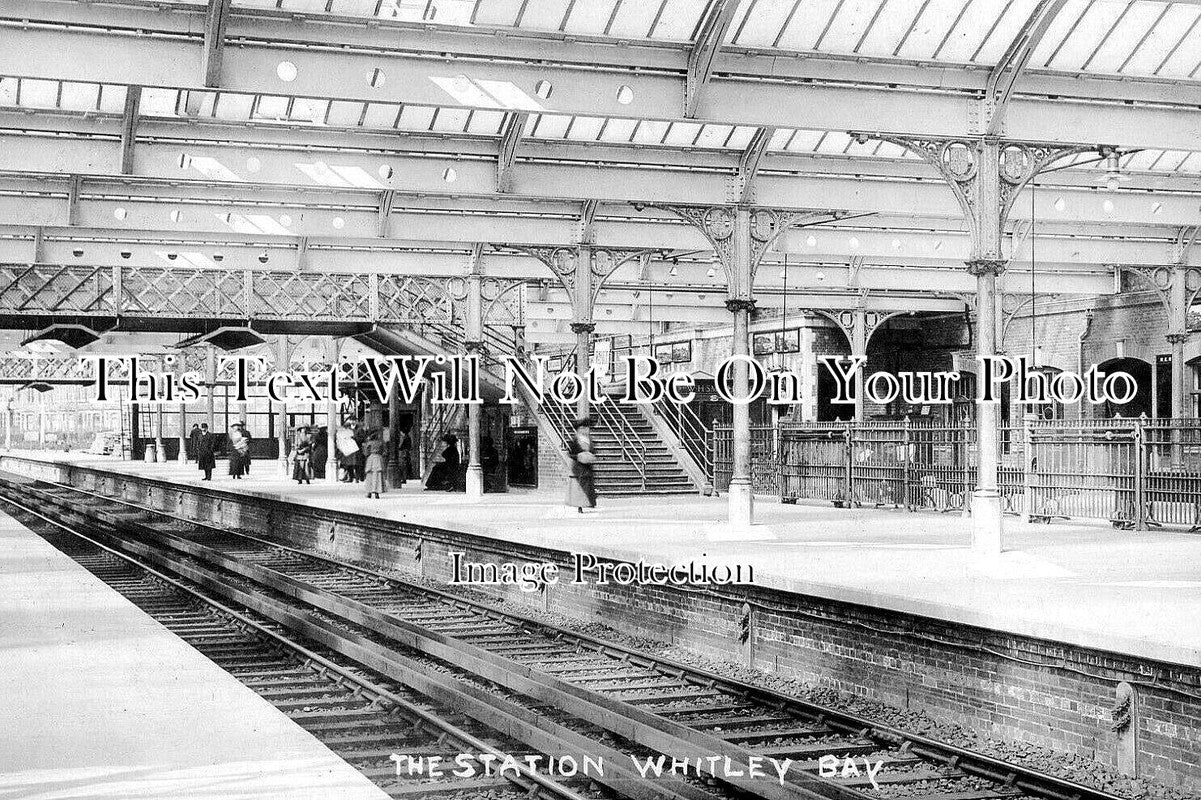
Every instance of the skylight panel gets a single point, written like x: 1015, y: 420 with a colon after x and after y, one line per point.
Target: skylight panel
x: 678, y: 20
x: 159, y: 102
x: 235, y: 106
x: 585, y: 129
x: 487, y: 123
x: 682, y: 134
x: 542, y: 15
x: 634, y: 18
x: 762, y: 25
x: 1169, y: 31
x: 713, y: 135
x: 345, y: 114
x: 80, y: 96
x: 929, y: 30
x: 497, y: 12
x: 39, y: 94
x: 849, y: 25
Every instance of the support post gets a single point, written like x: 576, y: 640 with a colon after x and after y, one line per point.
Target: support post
x: 210, y: 377
x: 859, y: 348
x: 8, y: 424
x: 582, y: 324
x: 986, y: 175
x: 331, y: 415
x: 41, y: 422
x: 281, y: 365
x: 1028, y: 472
x: 741, y: 303
x: 394, y: 438
x: 160, y: 453
x: 986, y: 499
x: 182, y: 458
x: 473, y: 344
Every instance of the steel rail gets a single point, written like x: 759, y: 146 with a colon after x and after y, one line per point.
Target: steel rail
x: 623, y: 719
x: 987, y: 767
x: 525, y: 778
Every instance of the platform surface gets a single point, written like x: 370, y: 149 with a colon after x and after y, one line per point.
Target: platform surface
x: 1137, y: 593
x: 100, y: 701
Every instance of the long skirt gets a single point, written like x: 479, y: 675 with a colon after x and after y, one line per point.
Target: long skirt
x: 374, y: 473
x: 581, y: 493
x: 237, y: 463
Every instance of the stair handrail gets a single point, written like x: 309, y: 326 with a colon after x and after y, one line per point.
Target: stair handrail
x: 692, y: 432
x: 633, y: 448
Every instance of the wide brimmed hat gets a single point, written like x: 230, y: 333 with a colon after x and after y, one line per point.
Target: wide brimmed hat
x: 450, y: 437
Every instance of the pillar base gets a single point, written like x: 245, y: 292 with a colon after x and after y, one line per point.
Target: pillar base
x: 741, y: 503
x: 331, y: 471
x: 475, y: 482
x: 986, y: 522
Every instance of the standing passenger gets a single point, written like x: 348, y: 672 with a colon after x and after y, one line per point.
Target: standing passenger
x: 205, y: 460
x: 239, y: 446
x: 581, y: 492
x: 302, y: 451
x: 373, y: 465
x: 193, y: 438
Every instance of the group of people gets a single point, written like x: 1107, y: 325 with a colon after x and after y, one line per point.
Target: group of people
x: 203, y: 444
x: 361, y: 459
x: 449, y: 474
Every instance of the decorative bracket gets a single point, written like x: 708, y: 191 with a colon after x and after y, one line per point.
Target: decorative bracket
x: 766, y: 225
x: 986, y: 174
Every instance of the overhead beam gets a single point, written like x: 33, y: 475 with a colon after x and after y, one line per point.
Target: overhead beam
x: 387, y: 199
x: 129, y: 128
x: 833, y: 96
x: 749, y: 161
x: 215, y: 21
x: 704, y: 50
x: 1004, y: 76
x: 510, y: 137
x: 551, y: 172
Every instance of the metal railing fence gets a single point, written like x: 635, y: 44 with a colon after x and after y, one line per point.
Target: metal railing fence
x: 1135, y: 473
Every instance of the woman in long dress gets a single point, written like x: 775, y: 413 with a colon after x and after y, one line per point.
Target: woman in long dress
x: 302, y: 453
x: 239, y: 446
x: 581, y: 492
x: 373, y: 466
x: 445, y: 473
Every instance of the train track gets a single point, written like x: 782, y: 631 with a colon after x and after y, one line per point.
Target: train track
x: 641, y: 704
x: 361, y: 716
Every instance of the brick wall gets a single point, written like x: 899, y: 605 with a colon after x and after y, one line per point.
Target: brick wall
x: 1009, y: 687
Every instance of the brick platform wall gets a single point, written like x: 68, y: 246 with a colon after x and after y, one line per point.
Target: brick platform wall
x: 1009, y: 687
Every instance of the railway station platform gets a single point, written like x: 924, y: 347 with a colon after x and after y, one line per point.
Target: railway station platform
x: 1132, y: 593
x: 103, y: 702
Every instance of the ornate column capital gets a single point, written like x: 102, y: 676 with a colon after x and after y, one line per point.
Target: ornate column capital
x: 583, y: 327
x: 1178, y: 337
x: 985, y: 266
x: 735, y: 304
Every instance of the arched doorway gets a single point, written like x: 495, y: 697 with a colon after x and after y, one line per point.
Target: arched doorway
x: 1141, y: 372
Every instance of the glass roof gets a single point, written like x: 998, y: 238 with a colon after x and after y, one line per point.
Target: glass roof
x: 94, y: 98
x: 1117, y: 37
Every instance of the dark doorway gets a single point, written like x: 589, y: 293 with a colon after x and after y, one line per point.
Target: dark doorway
x: 1140, y: 371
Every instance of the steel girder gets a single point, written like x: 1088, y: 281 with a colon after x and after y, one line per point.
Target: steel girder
x: 219, y: 294
x: 471, y: 70
x: 314, y: 158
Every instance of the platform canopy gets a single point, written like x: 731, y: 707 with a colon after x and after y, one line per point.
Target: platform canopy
x: 426, y: 137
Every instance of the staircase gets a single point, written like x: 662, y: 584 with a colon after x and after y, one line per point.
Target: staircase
x: 631, y: 459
